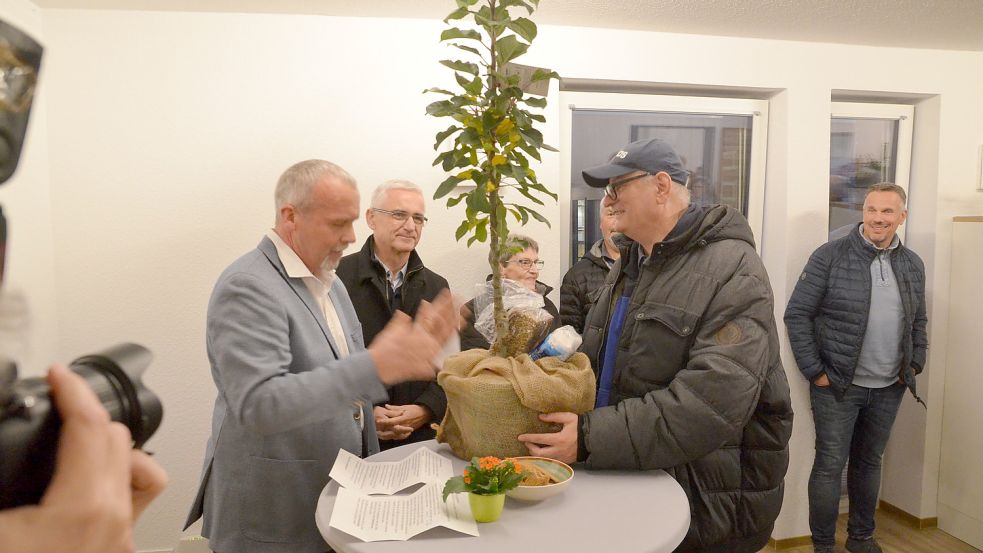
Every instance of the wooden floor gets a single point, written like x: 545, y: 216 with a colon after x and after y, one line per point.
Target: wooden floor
x: 895, y: 536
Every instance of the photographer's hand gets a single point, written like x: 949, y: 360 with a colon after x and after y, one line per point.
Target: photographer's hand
x: 99, y: 487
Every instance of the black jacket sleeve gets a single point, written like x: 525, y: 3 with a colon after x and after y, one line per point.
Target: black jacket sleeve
x: 801, y: 312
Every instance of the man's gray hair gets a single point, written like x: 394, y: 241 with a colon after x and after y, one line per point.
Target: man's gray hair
x: 682, y: 191
x: 295, y: 184
x: 888, y: 187
x: 379, y: 195
x: 516, y: 243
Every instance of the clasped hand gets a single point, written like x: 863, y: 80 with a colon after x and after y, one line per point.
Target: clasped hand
x: 397, y: 422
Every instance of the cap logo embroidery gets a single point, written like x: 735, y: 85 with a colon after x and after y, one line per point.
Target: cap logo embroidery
x: 621, y: 155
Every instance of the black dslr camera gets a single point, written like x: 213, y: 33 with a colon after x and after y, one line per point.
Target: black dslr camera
x: 29, y: 423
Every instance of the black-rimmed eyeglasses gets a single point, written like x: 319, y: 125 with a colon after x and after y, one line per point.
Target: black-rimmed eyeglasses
x: 401, y: 216
x: 611, y: 190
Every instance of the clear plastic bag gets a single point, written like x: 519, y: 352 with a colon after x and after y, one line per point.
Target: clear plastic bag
x: 527, y: 320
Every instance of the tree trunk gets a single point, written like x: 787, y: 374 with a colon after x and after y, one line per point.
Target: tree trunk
x: 494, y: 253
x: 497, y: 240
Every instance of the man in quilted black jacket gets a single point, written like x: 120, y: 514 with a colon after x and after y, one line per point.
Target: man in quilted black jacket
x: 856, y: 322
x: 587, y: 275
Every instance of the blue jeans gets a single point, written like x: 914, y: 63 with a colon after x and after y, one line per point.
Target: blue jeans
x: 856, y: 428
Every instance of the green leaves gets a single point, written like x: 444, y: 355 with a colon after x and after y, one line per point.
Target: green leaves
x: 455, y: 484
x: 486, y: 152
x: 458, y: 65
x: 508, y: 48
x: 441, y: 108
x: 523, y: 27
x: 472, y: 87
x: 454, y: 32
x: 485, y: 476
x: 544, y: 74
x: 447, y: 186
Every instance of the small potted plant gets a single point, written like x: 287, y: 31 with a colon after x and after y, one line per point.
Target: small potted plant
x: 486, y: 480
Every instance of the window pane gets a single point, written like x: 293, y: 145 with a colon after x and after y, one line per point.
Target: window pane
x: 715, y: 148
x: 862, y: 152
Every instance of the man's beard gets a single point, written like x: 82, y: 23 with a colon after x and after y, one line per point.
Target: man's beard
x: 328, y: 267
x: 330, y: 264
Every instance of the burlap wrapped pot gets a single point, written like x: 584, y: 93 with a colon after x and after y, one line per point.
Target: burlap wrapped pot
x: 491, y: 400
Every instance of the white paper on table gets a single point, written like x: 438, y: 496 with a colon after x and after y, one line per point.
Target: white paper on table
x: 371, y: 477
x: 401, y: 517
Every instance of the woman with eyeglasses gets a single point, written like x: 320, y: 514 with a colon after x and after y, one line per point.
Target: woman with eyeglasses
x: 523, y: 268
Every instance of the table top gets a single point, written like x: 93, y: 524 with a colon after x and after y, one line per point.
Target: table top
x: 624, y: 511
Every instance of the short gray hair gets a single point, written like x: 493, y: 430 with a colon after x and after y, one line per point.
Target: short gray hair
x: 379, y: 195
x: 888, y: 187
x: 515, y: 242
x: 682, y: 191
x: 295, y: 184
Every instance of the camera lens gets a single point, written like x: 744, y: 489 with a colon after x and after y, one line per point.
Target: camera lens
x: 30, y: 425
x: 115, y: 376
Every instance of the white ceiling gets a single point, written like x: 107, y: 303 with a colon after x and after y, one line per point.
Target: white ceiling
x: 939, y: 24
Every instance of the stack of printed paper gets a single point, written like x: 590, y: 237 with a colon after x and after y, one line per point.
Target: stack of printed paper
x: 396, y: 517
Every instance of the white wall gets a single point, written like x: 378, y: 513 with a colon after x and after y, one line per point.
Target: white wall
x: 168, y: 130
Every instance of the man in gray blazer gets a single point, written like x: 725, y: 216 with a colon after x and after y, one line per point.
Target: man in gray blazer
x: 295, y: 381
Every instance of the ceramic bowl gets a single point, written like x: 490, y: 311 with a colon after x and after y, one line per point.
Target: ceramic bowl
x: 539, y: 493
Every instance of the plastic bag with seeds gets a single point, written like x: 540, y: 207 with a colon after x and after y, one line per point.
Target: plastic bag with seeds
x: 491, y: 400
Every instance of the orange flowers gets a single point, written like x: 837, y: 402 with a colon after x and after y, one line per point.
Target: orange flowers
x: 485, y: 476
x: 488, y: 463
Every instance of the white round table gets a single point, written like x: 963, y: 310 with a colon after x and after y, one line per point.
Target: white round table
x: 623, y: 511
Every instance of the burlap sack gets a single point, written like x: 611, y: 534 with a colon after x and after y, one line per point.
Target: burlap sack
x: 491, y: 400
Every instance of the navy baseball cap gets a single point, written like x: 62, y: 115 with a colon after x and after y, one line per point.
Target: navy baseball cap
x: 651, y: 155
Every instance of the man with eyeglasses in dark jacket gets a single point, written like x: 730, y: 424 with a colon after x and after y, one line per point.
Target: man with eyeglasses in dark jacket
x: 683, y: 340
x: 385, y: 276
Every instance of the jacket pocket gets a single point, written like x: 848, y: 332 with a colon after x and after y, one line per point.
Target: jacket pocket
x: 280, y: 498
x: 660, y: 342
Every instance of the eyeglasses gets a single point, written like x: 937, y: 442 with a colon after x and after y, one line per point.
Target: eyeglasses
x: 528, y: 263
x: 612, y: 188
x: 401, y: 216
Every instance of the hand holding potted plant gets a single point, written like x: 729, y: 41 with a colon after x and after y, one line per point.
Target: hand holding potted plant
x: 486, y: 480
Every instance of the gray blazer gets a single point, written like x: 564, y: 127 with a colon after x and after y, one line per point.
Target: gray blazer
x: 286, y: 404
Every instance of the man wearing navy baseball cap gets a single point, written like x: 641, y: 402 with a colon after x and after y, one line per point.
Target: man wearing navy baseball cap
x: 684, y: 343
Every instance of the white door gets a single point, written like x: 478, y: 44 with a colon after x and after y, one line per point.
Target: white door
x: 960, y: 477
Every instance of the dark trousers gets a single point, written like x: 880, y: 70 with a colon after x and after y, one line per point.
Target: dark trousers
x: 855, y: 428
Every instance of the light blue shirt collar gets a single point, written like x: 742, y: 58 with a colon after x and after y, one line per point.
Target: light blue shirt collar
x: 894, y: 243
x: 394, y: 280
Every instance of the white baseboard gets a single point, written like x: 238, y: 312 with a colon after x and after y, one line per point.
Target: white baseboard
x: 188, y: 544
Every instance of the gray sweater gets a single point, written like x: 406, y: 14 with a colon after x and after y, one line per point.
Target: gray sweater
x: 879, y: 363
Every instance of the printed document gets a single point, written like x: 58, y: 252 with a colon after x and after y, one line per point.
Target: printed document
x: 368, y: 477
x: 401, y: 517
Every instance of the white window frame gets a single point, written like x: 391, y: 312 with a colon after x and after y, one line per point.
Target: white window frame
x: 904, y: 114
x: 758, y: 109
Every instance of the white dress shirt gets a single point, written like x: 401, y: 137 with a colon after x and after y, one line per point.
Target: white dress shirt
x: 318, y: 286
